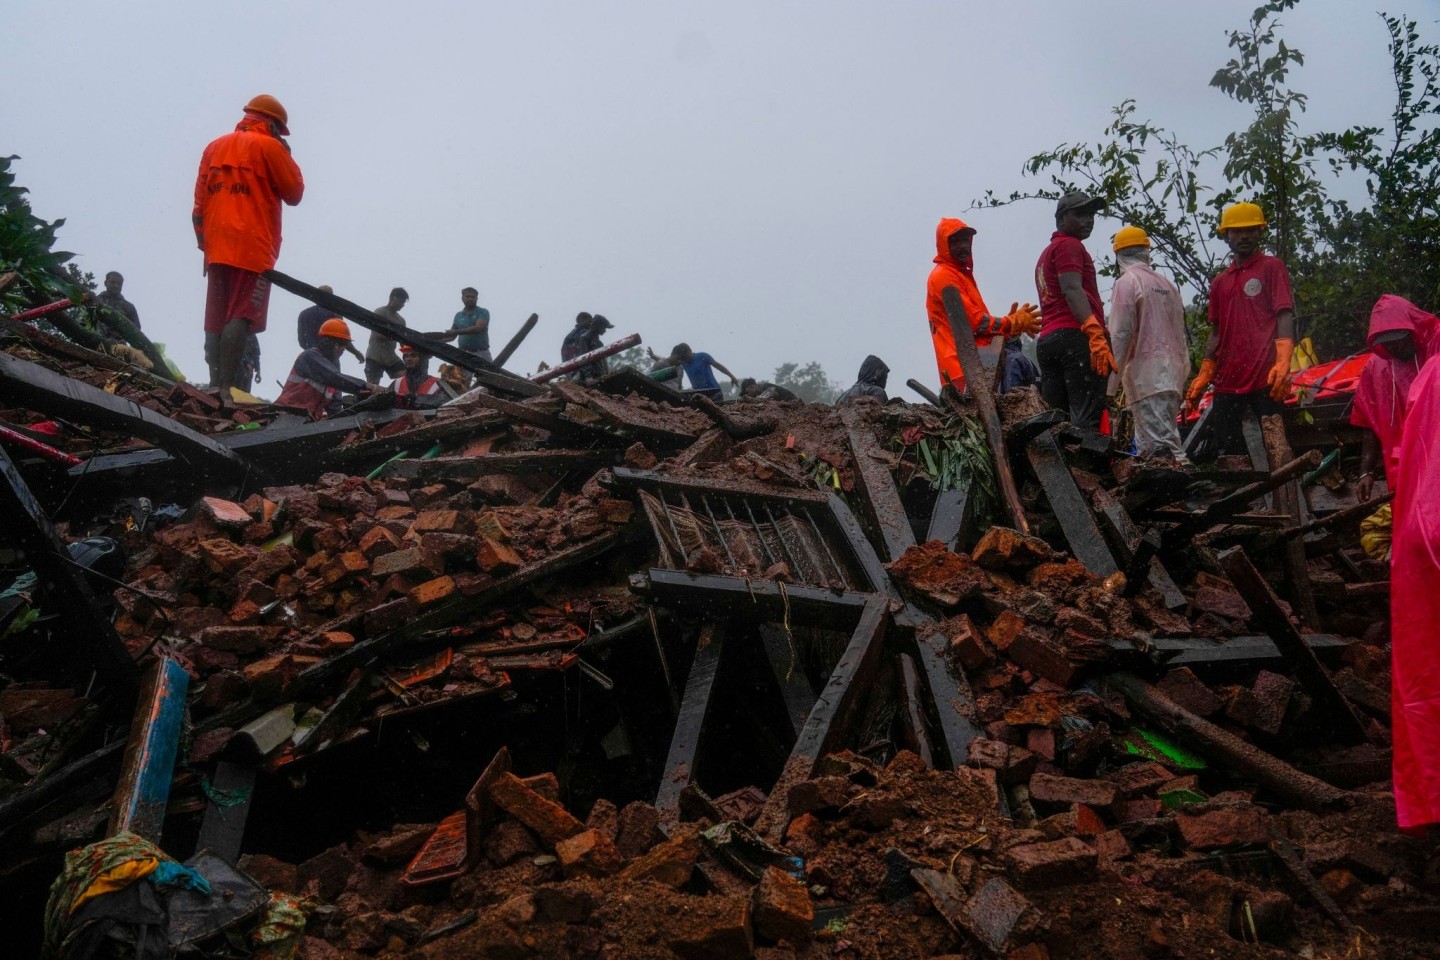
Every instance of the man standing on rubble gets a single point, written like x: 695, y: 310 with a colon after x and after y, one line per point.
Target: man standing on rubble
x: 1147, y: 335
x: 315, y: 382
x: 1074, y: 354
x: 380, y: 356
x: 113, y: 299
x: 1252, y: 316
x: 954, y: 267
x: 472, y: 325
x: 244, y: 177
x: 1401, y: 338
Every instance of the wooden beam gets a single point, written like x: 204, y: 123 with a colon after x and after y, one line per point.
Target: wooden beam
x: 144, y: 787
x: 222, y: 831
x: 1287, y: 504
x: 949, y: 517
x: 795, y: 688
x: 1126, y: 536
x: 1071, y: 509
x: 754, y: 600
x: 680, y: 763
x: 517, y: 462
x: 918, y: 738
x: 877, y: 485
x: 1267, y: 614
x: 977, y: 379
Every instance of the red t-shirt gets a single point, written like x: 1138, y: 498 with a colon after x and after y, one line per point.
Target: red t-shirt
x: 1066, y: 254
x: 1244, y: 302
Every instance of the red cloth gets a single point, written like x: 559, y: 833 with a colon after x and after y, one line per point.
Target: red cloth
x: 1065, y: 254
x: 1415, y: 608
x: 243, y: 178
x: 235, y: 294
x: 950, y: 273
x: 1385, y: 382
x: 1245, y: 299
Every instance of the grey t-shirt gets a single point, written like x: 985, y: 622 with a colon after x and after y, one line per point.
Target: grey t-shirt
x: 381, y: 348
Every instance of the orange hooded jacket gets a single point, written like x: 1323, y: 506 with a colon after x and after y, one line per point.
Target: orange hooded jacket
x: 243, y: 177
x: 950, y: 273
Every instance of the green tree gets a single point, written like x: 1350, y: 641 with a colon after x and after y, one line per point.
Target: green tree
x: 807, y: 382
x: 27, y: 249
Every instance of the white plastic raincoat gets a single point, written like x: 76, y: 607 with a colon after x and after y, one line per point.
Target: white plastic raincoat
x: 1147, y: 329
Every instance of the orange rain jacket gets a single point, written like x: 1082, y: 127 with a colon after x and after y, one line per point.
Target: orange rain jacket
x: 948, y: 273
x: 243, y: 177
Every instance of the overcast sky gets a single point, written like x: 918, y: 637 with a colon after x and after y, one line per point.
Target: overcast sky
x: 760, y: 179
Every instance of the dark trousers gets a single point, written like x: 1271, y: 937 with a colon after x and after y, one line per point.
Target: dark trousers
x: 1066, y: 380
x: 1226, y: 413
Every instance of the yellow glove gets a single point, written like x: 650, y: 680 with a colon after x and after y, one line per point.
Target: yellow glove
x: 1278, y: 380
x: 1202, y: 380
x: 1102, y: 361
x: 1023, y: 318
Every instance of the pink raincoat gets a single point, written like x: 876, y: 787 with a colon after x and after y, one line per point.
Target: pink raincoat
x: 1415, y: 607
x: 1385, y: 383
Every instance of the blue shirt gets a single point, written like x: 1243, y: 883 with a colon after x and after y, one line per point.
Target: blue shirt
x: 697, y: 371
x: 467, y: 318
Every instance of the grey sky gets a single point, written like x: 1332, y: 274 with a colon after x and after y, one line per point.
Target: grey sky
x: 760, y: 179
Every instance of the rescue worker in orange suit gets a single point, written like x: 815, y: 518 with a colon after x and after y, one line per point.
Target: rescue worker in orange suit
x: 244, y: 177
x: 1252, y: 319
x: 1074, y: 351
x: 315, y: 382
x: 1402, y: 339
x: 416, y: 388
x: 954, y: 267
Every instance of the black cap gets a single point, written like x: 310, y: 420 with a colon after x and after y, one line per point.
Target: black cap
x: 1079, y: 201
x: 599, y: 323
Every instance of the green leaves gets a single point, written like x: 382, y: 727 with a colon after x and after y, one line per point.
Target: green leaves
x: 26, y: 247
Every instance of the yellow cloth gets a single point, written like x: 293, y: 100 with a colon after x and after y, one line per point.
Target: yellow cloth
x: 117, y: 878
x: 1375, y: 534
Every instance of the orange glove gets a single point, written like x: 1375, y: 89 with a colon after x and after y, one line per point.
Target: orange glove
x: 1102, y: 361
x: 1199, y: 384
x: 1278, y: 380
x: 1023, y: 318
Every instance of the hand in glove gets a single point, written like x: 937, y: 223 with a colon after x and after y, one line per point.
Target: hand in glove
x: 1198, y: 385
x: 1023, y: 318
x: 1102, y: 361
x: 1278, y: 379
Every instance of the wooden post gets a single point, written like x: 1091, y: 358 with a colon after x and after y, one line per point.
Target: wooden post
x: 977, y: 379
x: 1287, y: 504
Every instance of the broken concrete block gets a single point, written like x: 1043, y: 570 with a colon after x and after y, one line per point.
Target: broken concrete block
x: 1056, y: 863
x: 783, y: 910
x: 549, y: 820
x: 588, y: 852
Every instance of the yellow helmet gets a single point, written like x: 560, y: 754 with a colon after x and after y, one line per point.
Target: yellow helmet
x: 1130, y: 237
x: 1240, y: 215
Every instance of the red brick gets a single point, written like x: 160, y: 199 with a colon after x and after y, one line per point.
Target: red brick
x: 225, y: 513
x: 272, y: 675
x: 438, y: 521
x: 967, y: 647
x: 1011, y: 764
x: 1233, y: 825
x: 604, y: 817
x: 1263, y: 706
x: 713, y: 928
x: 1134, y: 779
x: 669, y: 863
x: 1036, y: 653
x: 1187, y: 691
x: 508, y: 842
x: 617, y: 511
x: 549, y: 820
x: 239, y: 639
x: 378, y: 541
x: 244, y: 613
x: 588, y: 852
x: 496, y: 558
x: 222, y: 556
x: 432, y: 591
x: 396, y: 512
x: 637, y: 828
x: 1059, y: 862
x: 1002, y: 547
x: 388, y: 616
x: 1143, y: 808
x: 1031, y: 951
x: 1112, y: 846
x: 783, y: 910
x: 401, y: 562
x: 1004, y: 630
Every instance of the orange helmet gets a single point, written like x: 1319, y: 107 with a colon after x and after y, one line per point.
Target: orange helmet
x: 336, y: 328
x: 268, y: 106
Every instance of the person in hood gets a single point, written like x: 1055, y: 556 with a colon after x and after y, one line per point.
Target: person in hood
x: 244, y: 177
x: 1147, y: 335
x: 1415, y: 607
x: 870, y: 382
x: 1074, y: 352
x: 954, y: 267
x: 1401, y: 338
x: 315, y: 382
x: 416, y: 388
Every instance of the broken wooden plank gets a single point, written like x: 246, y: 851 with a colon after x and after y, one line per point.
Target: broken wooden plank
x: 755, y: 600
x: 1071, y: 509
x: 1267, y: 614
x: 1277, y: 776
x: 917, y: 737
x: 67, y: 592
x: 949, y: 518
x: 681, y: 762
x: 1287, y: 502
x: 517, y: 339
x: 516, y: 462
x: 1238, y: 501
x: 877, y: 485
x: 144, y: 788
x: 1232, y: 655
x: 30, y: 385
x: 984, y: 396
x: 950, y: 696
x: 1126, y: 536
x: 1340, y: 518
x: 830, y: 720
x: 1254, y: 438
